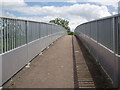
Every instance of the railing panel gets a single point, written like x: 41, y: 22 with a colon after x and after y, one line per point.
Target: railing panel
x: 33, y: 31
x: 13, y: 34
x: 94, y: 30
x: 105, y: 32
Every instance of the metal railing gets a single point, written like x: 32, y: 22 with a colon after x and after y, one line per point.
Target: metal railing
x: 105, y: 31
x: 16, y: 32
x: 102, y: 38
x: 21, y: 41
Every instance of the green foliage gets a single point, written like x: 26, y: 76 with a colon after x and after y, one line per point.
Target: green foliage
x: 70, y: 33
x: 61, y: 22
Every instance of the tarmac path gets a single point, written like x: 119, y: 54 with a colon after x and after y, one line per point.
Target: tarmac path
x: 52, y: 69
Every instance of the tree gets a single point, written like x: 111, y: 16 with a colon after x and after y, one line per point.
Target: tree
x: 61, y: 22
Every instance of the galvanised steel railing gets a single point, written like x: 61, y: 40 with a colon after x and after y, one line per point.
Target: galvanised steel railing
x: 102, y: 38
x: 17, y: 32
x: 21, y: 41
x: 105, y: 31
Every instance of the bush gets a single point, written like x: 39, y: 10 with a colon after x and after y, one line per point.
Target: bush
x: 70, y: 33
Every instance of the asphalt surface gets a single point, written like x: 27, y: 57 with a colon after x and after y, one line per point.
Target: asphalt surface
x: 52, y: 69
x: 66, y: 64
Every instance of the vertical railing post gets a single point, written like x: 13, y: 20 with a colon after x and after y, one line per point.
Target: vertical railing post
x: 113, y: 22
x: 2, y: 36
x: 27, y: 40
x: 26, y: 31
x: 1, y: 42
x: 118, y: 47
x: 115, y: 60
x: 97, y: 31
x: 39, y: 30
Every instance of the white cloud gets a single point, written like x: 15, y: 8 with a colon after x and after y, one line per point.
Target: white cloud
x: 114, y: 3
x: 76, y: 14
x: 8, y: 4
x: 72, y: 1
x: 84, y: 10
x: 75, y: 21
x: 113, y: 13
x: 7, y: 14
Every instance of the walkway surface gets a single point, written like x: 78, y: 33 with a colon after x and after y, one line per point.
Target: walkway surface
x: 52, y: 69
x: 84, y: 78
x: 60, y: 66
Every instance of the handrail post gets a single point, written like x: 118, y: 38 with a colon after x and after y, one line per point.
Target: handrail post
x: 115, y: 59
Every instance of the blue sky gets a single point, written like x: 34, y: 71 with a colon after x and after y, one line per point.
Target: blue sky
x: 76, y: 11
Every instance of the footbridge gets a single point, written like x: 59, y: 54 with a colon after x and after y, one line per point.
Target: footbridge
x: 41, y: 55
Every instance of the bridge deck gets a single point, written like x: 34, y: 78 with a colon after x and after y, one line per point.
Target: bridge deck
x: 55, y: 68
x: 84, y: 78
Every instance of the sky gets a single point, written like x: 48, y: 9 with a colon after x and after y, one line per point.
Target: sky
x: 75, y: 11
